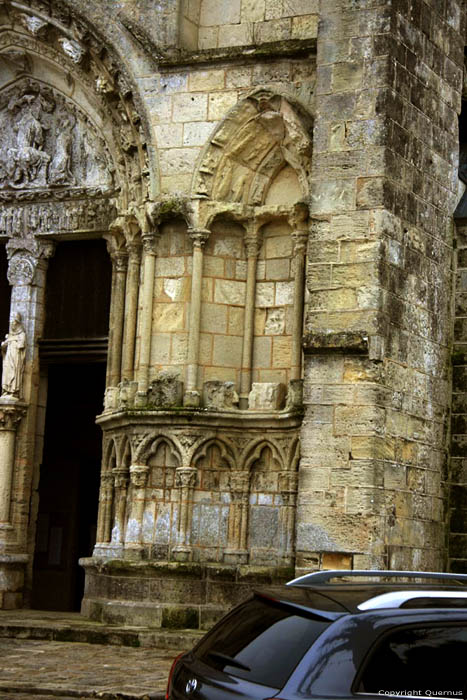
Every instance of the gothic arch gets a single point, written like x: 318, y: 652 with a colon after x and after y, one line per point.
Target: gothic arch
x: 110, y: 455
x: 166, y: 441
x: 253, y: 453
x: 226, y: 451
x: 125, y: 459
x: 149, y: 445
x: 259, y: 137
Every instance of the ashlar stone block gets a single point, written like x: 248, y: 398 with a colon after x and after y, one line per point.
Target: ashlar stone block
x: 229, y: 292
x: 190, y: 107
x: 166, y: 390
x: 220, y: 12
x: 267, y: 396
x: 219, y: 395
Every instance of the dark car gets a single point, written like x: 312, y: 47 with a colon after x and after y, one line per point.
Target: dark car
x: 395, y: 634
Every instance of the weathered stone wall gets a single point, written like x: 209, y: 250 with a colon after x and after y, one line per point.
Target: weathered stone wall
x: 389, y: 79
x: 202, y: 184
x: 211, y: 24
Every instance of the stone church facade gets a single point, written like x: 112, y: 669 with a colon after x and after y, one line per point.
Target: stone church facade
x: 233, y: 297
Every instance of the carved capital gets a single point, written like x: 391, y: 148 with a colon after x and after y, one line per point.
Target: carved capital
x: 10, y: 416
x: 199, y: 236
x: 134, y: 250
x: 252, y: 245
x: 139, y: 475
x: 46, y: 249
x: 288, y: 482
x: 300, y: 239
x: 150, y: 240
x: 185, y: 477
x: 116, y: 246
x: 24, y: 255
x: 120, y: 478
x: 21, y: 268
x: 239, y: 484
x: 107, y: 486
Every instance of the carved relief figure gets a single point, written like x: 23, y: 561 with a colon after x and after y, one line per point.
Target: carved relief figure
x: 28, y: 161
x: 47, y: 142
x: 60, y: 167
x: 13, y: 351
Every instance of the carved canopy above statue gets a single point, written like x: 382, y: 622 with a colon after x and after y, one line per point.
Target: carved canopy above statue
x: 47, y: 143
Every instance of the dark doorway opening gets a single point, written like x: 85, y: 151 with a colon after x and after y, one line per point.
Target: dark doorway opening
x: 69, y: 484
x: 73, y: 354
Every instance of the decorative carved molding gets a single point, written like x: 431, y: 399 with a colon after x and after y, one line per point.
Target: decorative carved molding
x: 73, y: 49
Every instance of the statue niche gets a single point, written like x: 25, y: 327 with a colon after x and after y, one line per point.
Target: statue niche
x: 47, y: 143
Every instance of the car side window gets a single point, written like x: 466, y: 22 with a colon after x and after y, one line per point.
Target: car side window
x: 418, y: 661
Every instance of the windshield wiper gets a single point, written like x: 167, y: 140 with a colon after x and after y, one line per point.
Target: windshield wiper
x: 229, y: 661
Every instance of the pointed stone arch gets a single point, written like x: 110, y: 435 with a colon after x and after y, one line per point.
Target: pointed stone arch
x: 259, y: 137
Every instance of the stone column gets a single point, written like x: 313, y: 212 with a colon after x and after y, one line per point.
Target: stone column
x: 104, y: 522
x: 236, y: 551
x: 192, y: 393
x: 120, y: 475
x: 185, y: 479
x: 252, y: 243
x: 28, y: 260
x: 134, y: 531
x: 119, y: 257
x: 300, y: 239
x: 150, y: 239
x: 11, y: 413
x: 288, y: 482
x: 131, y: 309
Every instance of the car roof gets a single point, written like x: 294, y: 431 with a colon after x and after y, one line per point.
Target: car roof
x: 347, y: 598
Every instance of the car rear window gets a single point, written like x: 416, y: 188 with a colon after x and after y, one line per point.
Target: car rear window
x: 264, y: 640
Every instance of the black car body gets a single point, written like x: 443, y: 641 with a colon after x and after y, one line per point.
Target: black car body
x: 317, y: 639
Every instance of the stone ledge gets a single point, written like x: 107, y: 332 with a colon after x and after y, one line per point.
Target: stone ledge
x: 346, y: 341
x: 203, y: 417
x: 248, y: 52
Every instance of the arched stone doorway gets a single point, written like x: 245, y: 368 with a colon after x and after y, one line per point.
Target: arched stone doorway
x: 73, y: 158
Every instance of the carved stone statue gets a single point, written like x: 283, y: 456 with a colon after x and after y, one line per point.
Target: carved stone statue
x: 13, y: 351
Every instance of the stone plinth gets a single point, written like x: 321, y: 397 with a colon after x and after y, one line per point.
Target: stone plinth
x: 169, y: 594
x: 12, y: 567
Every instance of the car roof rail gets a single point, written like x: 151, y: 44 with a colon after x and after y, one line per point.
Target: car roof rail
x: 318, y: 577
x: 396, y: 599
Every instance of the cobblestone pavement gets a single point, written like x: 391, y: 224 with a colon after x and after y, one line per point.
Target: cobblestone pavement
x: 30, y: 669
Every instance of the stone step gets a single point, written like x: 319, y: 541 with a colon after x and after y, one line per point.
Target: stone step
x: 72, y: 627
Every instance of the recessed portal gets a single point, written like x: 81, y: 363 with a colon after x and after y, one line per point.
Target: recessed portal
x: 73, y: 353
x: 69, y: 484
